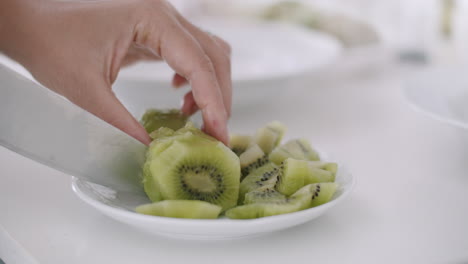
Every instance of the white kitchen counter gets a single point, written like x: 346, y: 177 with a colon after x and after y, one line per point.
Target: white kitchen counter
x: 410, y: 204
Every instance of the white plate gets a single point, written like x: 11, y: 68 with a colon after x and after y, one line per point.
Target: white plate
x: 120, y: 206
x: 441, y: 93
x: 260, y: 51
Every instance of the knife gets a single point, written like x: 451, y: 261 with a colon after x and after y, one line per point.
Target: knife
x: 44, y: 126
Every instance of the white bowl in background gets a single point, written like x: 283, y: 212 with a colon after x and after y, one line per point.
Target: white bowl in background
x: 441, y: 93
x: 260, y: 51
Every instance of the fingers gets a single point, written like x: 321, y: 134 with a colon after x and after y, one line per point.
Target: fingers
x: 136, y: 53
x: 189, y: 106
x: 185, y: 55
x: 178, y: 81
x: 219, y: 53
x: 103, y: 104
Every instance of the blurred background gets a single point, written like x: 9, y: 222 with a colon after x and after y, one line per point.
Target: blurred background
x: 347, y: 75
x: 309, y: 62
x: 282, y: 49
x: 287, y: 55
x: 426, y: 30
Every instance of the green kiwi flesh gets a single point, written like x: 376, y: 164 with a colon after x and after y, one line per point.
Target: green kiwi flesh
x: 181, y: 209
x: 161, y: 133
x: 253, y: 158
x: 269, y: 136
x: 263, y: 177
x: 270, y: 203
x: 319, y: 193
x: 263, y: 195
x: 291, y: 176
x: 149, y: 185
x: 294, y: 174
x: 190, y: 165
x: 296, y: 149
x: 270, y: 208
x: 153, y: 119
x: 320, y: 171
x: 239, y: 143
x: 189, y: 174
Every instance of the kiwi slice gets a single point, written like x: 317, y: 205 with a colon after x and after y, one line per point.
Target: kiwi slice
x: 291, y: 176
x: 269, y: 136
x: 263, y: 177
x: 263, y: 195
x: 294, y: 174
x: 239, y: 143
x: 319, y: 193
x: 328, y: 166
x: 253, y: 158
x: 181, y: 209
x: 296, y: 149
x: 320, y: 171
x: 190, y: 165
x: 153, y: 119
x: 270, y: 208
x: 151, y: 189
x: 161, y: 133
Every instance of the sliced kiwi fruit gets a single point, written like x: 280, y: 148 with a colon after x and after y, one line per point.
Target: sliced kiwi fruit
x: 190, y: 165
x: 320, y: 171
x: 181, y: 209
x: 253, y: 158
x: 269, y: 136
x: 149, y: 185
x: 291, y: 176
x: 319, y: 193
x: 294, y: 174
x: 270, y: 203
x: 262, y: 209
x: 328, y: 166
x: 153, y: 119
x: 263, y: 195
x: 239, y: 143
x: 263, y: 177
x: 161, y: 133
x: 296, y: 149
x: 189, y: 174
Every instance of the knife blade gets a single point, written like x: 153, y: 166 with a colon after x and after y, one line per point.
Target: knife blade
x: 44, y: 126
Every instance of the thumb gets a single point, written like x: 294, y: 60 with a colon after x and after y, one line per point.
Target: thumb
x: 103, y: 103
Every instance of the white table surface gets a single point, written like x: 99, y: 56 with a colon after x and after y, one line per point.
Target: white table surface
x: 409, y: 205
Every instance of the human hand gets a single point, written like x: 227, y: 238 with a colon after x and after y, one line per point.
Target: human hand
x: 77, y: 49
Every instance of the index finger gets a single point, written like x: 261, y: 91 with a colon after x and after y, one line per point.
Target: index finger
x: 185, y: 55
